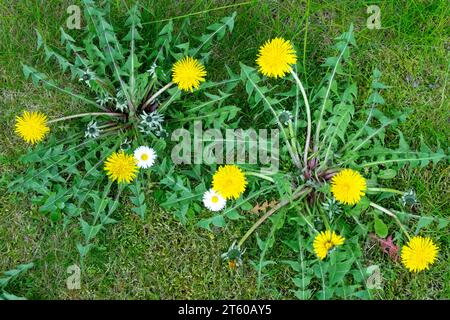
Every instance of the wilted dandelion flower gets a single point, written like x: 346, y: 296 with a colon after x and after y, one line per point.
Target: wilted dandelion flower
x: 145, y: 157
x: 326, y: 241
x: 348, y: 186
x: 32, y: 126
x: 188, y: 73
x: 229, y: 181
x: 419, y: 254
x: 275, y: 57
x: 213, y: 201
x: 121, y: 167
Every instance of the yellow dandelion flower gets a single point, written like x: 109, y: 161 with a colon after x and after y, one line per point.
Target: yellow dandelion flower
x: 419, y: 254
x: 121, y: 167
x: 32, y: 126
x: 188, y: 73
x: 325, y: 241
x: 275, y: 57
x: 348, y: 186
x: 229, y: 181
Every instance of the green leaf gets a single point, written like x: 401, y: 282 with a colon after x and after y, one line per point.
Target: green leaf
x: 302, y: 282
x: 246, y: 206
x: 423, y: 222
x: 387, y: 174
x: 218, y: 221
x: 89, y: 231
x: 138, y: 199
x: 381, y: 228
x: 303, y: 294
x: 233, y: 215
x: 84, y: 250
x: 339, y: 270
x: 443, y: 223
x: 39, y: 40
x: 295, y: 265
x: 10, y: 275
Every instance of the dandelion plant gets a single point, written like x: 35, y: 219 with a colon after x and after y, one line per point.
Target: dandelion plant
x: 137, y: 90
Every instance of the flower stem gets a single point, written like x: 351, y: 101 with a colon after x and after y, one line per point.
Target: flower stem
x: 293, y: 137
x: 111, y: 114
x: 158, y: 93
x: 281, y: 204
x: 386, y: 190
x: 259, y: 175
x: 110, y: 124
x: 112, y: 129
x: 308, y: 116
x: 392, y: 215
x: 325, y: 219
x: 327, y: 93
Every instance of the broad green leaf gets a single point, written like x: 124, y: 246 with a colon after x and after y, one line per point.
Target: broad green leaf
x: 381, y: 228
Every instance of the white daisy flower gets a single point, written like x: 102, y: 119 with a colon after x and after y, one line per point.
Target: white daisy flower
x: 145, y: 157
x: 213, y: 201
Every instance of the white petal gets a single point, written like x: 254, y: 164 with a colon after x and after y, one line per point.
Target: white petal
x: 213, y: 206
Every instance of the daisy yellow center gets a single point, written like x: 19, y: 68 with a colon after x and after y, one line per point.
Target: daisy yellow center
x: 229, y: 181
x: 32, y: 126
x: 348, y: 186
x: 121, y: 167
x: 275, y: 57
x: 144, y: 157
x: 188, y: 73
x: 215, y: 199
x: 419, y: 254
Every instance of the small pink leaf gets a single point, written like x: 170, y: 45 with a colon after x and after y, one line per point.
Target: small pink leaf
x: 387, y: 246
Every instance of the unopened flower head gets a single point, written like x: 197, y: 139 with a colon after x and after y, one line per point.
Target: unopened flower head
x: 92, y: 131
x: 87, y: 76
x: 233, y: 256
x: 285, y: 117
x: 125, y: 144
x: 409, y: 198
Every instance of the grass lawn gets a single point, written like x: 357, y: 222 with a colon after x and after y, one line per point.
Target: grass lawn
x: 162, y: 259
